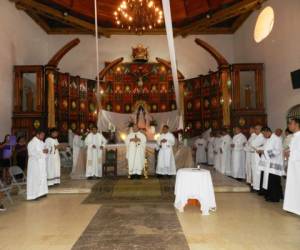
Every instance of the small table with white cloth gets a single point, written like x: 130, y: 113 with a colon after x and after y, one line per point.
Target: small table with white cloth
x: 193, y: 183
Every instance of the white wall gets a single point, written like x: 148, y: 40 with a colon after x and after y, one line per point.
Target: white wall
x: 280, y: 52
x: 192, y: 59
x: 21, y: 42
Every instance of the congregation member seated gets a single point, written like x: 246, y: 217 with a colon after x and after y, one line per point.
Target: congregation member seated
x: 21, y: 153
x: 135, y: 152
x: 95, y: 143
x: 4, y: 160
x: 166, y: 162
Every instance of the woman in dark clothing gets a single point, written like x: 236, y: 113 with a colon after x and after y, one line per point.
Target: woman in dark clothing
x: 4, y: 160
x: 21, y: 153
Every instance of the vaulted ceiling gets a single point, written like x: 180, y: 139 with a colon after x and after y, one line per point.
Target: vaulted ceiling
x: 189, y: 16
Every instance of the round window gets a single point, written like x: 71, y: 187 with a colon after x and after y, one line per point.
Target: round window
x: 264, y: 24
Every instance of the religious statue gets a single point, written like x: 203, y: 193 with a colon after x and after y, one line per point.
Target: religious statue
x: 142, y: 118
x: 140, y: 53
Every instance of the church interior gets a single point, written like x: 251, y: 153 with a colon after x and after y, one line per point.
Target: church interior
x: 149, y: 124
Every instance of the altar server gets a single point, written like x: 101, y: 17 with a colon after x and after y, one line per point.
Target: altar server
x: 36, y: 168
x: 272, y: 167
x: 166, y: 161
x: 238, y: 168
x: 53, y: 158
x: 95, y: 143
x: 201, y: 147
x: 257, y: 144
x: 225, y: 153
x: 292, y: 195
x: 210, y: 149
x: 135, y: 152
x: 249, y: 155
x: 217, y: 151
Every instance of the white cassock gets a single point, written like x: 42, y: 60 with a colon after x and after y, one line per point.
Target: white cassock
x: 272, y: 159
x: 77, y: 144
x: 135, y: 153
x: 292, y: 195
x: 94, y: 155
x: 257, y: 143
x: 210, y: 151
x: 36, y: 170
x: 53, y: 162
x: 226, y: 155
x: 166, y: 161
x: 217, y: 153
x: 249, y: 157
x: 70, y: 137
x: 200, y: 145
x: 238, y: 168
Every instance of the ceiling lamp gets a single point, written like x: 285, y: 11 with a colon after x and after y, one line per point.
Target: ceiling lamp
x: 138, y: 16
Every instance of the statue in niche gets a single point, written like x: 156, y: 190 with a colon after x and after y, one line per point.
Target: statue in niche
x: 29, y: 99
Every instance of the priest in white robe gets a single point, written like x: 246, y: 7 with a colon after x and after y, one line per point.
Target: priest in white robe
x: 217, y: 151
x: 210, y: 149
x: 238, y: 167
x: 53, y: 158
x: 201, y: 148
x: 226, y: 153
x: 166, y: 161
x: 78, y: 143
x: 257, y: 144
x: 292, y: 195
x: 135, y: 152
x: 249, y: 155
x: 272, y: 166
x: 95, y: 143
x: 36, y: 168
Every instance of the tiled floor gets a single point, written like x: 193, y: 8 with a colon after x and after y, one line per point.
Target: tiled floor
x: 242, y: 221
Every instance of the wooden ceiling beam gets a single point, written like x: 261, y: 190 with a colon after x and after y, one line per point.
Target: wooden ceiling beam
x: 40, y: 21
x: 31, y: 5
x: 237, y: 9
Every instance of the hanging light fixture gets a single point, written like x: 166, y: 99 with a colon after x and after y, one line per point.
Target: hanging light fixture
x: 138, y: 16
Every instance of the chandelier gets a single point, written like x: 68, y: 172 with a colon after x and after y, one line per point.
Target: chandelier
x: 138, y: 15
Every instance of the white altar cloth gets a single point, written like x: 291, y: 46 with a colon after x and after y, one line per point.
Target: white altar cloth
x: 193, y: 183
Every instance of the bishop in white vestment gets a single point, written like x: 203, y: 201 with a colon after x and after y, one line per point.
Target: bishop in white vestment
x: 53, y: 158
x: 257, y: 144
x: 226, y: 153
x: 166, y: 161
x: 249, y: 155
x: 36, y: 168
x: 238, y: 168
x: 292, y: 195
x: 201, y: 148
x: 95, y: 143
x: 135, y: 152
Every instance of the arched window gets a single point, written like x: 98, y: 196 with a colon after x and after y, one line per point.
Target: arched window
x: 264, y: 24
x: 294, y: 112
